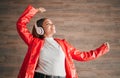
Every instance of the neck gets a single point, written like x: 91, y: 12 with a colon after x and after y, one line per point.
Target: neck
x: 48, y: 36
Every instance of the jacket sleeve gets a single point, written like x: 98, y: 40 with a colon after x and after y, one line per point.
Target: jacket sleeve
x: 86, y: 56
x: 22, y: 22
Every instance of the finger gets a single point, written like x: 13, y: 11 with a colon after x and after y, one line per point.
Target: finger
x: 108, y: 45
x: 42, y: 9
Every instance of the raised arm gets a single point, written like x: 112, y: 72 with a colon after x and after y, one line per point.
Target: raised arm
x: 86, y: 56
x: 23, y: 20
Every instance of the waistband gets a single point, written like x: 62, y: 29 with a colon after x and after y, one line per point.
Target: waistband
x: 40, y: 75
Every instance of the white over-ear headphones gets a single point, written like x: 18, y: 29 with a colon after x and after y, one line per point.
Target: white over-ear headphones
x: 39, y: 30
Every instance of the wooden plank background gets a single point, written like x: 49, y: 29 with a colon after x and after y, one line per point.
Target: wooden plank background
x: 86, y: 24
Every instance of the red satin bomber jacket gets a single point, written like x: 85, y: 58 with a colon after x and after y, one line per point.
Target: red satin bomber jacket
x: 35, y: 45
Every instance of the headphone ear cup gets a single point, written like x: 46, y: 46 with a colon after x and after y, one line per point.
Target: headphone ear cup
x: 39, y: 30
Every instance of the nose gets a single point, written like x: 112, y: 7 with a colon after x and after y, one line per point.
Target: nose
x: 52, y: 25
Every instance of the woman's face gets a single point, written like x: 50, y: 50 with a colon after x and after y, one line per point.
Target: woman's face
x: 49, y: 28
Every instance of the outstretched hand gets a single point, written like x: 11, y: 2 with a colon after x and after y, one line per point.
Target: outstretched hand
x: 106, y: 43
x: 41, y: 9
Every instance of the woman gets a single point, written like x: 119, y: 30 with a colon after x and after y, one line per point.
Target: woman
x: 49, y: 57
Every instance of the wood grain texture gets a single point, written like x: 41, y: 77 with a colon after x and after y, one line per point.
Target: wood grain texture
x: 86, y: 24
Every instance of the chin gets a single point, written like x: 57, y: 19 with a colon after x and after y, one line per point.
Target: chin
x: 54, y: 32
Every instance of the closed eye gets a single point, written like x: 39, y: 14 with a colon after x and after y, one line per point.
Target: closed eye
x: 49, y: 24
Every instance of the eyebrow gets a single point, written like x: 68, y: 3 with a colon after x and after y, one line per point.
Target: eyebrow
x: 49, y: 23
